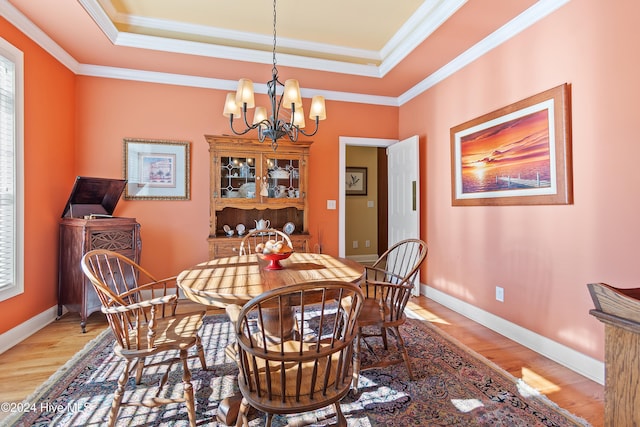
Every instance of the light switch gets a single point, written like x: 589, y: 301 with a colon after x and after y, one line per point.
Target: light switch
x: 331, y: 204
x: 369, y: 203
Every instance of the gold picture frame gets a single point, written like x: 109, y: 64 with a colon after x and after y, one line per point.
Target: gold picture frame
x: 157, y: 169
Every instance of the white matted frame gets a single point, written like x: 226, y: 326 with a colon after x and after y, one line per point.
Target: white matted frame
x: 517, y: 155
x: 157, y: 169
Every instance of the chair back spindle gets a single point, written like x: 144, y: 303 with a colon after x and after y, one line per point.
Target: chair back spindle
x: 251, y: 240
x: 295, y: 346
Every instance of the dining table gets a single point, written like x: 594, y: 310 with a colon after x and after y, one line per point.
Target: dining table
x: 235, y: 280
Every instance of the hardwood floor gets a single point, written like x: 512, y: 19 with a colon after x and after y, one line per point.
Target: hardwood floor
x: 31, y: 362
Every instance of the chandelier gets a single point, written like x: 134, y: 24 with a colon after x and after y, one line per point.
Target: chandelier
x: 286, y: 96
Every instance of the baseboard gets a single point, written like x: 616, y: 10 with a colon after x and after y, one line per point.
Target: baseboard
x: 559, y: 353
x: 364, y: 259
x: 25, y: 329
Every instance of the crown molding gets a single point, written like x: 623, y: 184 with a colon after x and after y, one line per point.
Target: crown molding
x: 362, y: 55
x: 24, y: 24
x: 518, y: 24
x: 220, y: 84
x: 428, y: 18
x: 530, y: 16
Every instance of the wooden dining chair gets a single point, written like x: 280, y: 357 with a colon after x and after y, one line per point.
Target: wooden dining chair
x: 141, y: 312
x: 295, y: 348
x: 254, y: 237
x: 387, y: 286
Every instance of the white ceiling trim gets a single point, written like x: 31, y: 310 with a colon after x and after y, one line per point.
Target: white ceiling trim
x: 429, y: 16
x: 418, y: 27
x: 220, y: 84
x: 240, y: 54
x: 518, y: 24
x: 255, y: 38
x: 536, y: 12
x: 24, y: 24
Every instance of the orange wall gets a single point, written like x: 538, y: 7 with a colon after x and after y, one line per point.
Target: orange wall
x: 543, y: 256
x: 174, y: 233
x: 49, y: 104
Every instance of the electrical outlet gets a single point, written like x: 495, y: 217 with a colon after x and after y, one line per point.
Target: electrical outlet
x: 355, y: 244
x: 499, y: 294
x: 367, y: 243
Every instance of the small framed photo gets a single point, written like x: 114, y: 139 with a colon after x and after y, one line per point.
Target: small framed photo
x: 356, y: 181
x: 156, y: 169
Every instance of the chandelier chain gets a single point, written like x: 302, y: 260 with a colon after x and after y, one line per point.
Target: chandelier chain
x: 275, y: 70
x: 273, y: 126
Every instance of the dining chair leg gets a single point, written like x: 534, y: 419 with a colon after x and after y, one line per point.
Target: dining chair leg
x: 383, y: 332
x: 403, y: 349
x: 139, y: 369
x: 243, y: 412
x: 356, y: 364
x: 200, y: 349
x: 188, y: 388
x: 269, y: 420
x: 117, y: 397
x: 341, y: 420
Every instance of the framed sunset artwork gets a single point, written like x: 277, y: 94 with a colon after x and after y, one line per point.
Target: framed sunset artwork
x: 517, y: 155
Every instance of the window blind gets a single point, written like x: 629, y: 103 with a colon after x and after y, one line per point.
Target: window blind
x: 11, y: 171
x: 7, y: 171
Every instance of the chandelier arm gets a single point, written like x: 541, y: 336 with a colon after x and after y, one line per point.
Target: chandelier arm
x: 244, y: 116
x: 315, y: 130
x: 248, y: 129
x: 261, y: 135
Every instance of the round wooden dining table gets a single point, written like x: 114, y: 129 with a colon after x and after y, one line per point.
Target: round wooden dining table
x: 237, y: 279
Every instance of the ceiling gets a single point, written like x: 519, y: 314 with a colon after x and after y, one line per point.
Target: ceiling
x: 380, y: 50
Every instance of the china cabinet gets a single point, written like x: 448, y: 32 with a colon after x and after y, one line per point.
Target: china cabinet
x: 250, y: 182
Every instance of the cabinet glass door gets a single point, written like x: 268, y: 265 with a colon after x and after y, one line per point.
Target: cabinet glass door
x: 238, y: 177
x: 283, y: 178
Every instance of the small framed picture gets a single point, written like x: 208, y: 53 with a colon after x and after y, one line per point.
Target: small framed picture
x: 156, y: 169
x: 356, y: 181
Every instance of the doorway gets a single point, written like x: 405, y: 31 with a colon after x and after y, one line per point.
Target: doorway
x: 343, y: 143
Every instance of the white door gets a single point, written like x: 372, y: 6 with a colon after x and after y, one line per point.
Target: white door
x: 404, y: 193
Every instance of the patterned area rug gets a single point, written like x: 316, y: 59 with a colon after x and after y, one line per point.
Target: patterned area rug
x: 454, y: 387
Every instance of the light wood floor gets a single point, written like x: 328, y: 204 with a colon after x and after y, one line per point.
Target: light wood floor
x: 31, y: 362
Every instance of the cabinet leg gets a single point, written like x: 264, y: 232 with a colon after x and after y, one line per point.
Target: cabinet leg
x: 59, y: 312
x: 83, y: 325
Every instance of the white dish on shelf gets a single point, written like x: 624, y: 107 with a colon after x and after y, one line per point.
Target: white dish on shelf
x: 279, y: 173
x: 226, y: 228
x: 240, y: 229
x: 289, y: 228
x: 245, y: 189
